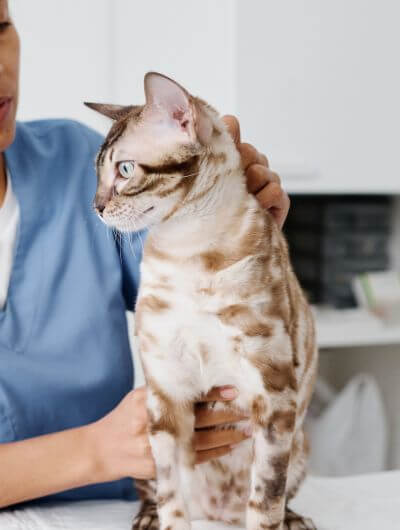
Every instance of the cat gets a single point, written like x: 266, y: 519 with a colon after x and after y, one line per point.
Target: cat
x: 218, y: 304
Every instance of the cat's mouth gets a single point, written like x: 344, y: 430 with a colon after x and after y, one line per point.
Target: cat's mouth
x: 148, y: 210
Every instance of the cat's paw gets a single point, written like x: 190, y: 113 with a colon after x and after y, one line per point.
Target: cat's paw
x: 294, y: 521
x: 147, y: 518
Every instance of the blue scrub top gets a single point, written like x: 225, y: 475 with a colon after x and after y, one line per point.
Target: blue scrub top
x: 65, y: 359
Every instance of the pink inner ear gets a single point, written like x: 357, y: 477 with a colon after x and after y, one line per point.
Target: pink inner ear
x: 163, y: 91
x: 181, y: 117
x: 182, y: 110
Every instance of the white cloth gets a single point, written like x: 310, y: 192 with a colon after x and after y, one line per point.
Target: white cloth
x: 9, y: 219
x: 341, y: 441
x: 363, y: 502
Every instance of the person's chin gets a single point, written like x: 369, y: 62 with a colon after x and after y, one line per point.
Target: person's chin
x: 7, y: 135
x: 7, y: 124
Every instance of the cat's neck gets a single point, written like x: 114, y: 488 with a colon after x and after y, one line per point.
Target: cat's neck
x: 208, y: 216
x: 210, y: 221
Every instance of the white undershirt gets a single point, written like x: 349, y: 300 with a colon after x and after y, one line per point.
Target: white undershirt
x: 9, y: 219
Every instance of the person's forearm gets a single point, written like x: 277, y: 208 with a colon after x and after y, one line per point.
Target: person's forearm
x: 47, y: 464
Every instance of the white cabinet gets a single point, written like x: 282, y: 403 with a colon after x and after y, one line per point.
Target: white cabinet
x: 318, y: 90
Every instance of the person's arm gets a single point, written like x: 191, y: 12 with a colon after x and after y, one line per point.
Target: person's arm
x: 112, y: 448
x: 47, y: 464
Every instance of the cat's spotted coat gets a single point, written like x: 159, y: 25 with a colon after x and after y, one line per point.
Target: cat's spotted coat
x: 218, y: 304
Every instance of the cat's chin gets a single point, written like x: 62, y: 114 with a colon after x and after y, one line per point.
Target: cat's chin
x: 139, y: 222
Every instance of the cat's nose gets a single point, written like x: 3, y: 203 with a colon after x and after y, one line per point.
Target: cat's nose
x: 101, y: 199
x: 99, y: 209
x: 99, y: 204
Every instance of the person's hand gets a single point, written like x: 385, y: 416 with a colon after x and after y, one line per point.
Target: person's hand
x: 261, y: 181
x: 121, y: 441
x: 208, y: 442
x: 121, y: 437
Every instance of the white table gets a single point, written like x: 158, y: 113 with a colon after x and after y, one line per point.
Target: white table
x: 362, y: 502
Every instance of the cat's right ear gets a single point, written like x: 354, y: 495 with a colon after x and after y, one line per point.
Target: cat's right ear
x: 115, y: 112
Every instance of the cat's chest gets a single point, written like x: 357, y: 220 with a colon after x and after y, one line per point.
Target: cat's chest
x: 193, y: 289
x: 193, y: 302
x: 181, y: 331
x: 193, y: 298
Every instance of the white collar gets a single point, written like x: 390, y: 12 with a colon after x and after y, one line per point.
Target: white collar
x: 9, y: 205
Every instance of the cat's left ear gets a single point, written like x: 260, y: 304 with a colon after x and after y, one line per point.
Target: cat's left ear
x: 115, y: 112
x: 182, y: 109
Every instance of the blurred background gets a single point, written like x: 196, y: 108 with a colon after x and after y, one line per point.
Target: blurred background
x: 316, y: 87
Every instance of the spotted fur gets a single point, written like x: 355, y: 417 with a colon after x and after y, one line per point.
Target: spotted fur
x: 218, y: 304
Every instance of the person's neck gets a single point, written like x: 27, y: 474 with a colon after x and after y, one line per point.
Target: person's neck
x: 3, y: 179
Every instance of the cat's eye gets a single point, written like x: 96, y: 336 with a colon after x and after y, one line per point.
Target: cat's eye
x: 126, y: 169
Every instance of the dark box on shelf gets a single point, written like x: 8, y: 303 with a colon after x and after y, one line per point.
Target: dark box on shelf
x: 332, y: 238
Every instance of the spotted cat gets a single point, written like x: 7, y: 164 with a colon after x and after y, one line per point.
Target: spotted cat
x: 218, y: 304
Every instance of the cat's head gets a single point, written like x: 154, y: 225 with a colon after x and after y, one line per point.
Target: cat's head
x: 151, y: 158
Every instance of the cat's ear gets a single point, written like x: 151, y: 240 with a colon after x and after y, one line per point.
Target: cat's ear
x: 115, y: 112
x: 182, y: 109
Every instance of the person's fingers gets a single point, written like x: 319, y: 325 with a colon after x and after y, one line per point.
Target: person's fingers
x: 264, y: 160
x: 248, y: 154
x: 220, y: 393
x: 210, y: 438
x: 233, y: 127
x: 206, y: 417
x: 273, y: 198
x: 139, y: 394
x: 141, y: 461
x: 259, y: 176
x: 205, y: 456
x: 147, y: 470
x: 279, y: 215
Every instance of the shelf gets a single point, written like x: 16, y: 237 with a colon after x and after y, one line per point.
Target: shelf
x: 352, y: 327
x: 310, y: 182
x: 301, y: 188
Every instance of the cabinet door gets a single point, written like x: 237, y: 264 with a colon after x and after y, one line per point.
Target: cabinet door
x: 318, y: 90
x: 66, y: 58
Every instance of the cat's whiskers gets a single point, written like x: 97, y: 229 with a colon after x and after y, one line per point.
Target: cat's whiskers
x: 137, y: 233
x: 129, y: 237
x: 116, y: 233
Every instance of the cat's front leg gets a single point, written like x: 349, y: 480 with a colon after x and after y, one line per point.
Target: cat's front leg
x: 171, y: 428
x: 274, y: 422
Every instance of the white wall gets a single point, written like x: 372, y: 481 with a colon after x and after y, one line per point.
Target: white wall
x: 191, y: 41
x: 318, y: 90
x: 315, y: 83
x: 65, y: 58
x: 101, y: 50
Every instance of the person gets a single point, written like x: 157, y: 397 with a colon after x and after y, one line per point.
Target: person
x: 71, y: 427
